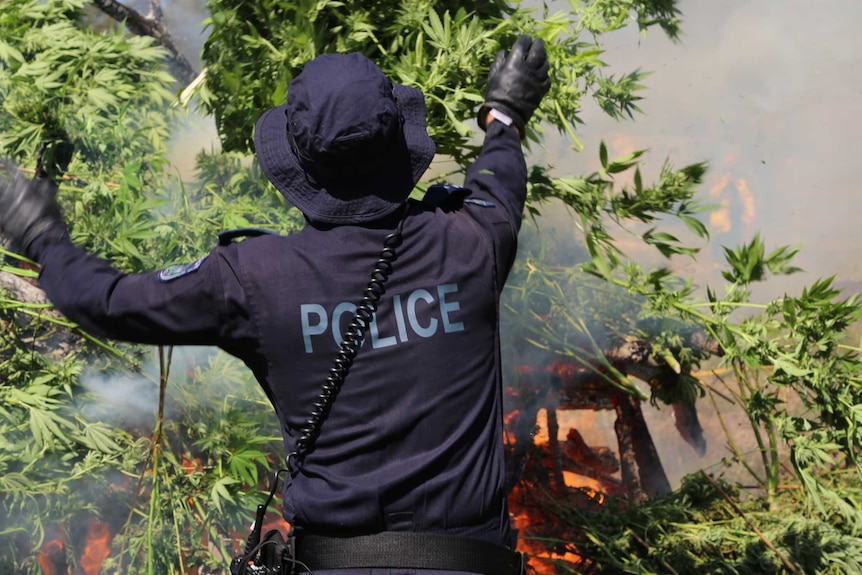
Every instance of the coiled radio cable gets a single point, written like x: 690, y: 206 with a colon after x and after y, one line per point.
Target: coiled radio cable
x: 347, y: 352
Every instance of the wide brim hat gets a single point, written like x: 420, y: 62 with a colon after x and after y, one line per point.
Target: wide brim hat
x: 349, y: 146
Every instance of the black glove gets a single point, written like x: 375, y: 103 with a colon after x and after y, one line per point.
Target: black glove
x: 54, y: 158
x: 27, y: 207
x: 517, y: 82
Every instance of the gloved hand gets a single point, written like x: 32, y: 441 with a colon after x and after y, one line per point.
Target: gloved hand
x: 27, y: 207
x: 517, y: 82
x: 54, y: 158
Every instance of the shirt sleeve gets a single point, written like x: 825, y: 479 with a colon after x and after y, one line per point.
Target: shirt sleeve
x: 199, y: 304
x: 497, y: 181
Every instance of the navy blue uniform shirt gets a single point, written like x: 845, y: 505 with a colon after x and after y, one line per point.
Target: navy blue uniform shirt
x: 414, y: 439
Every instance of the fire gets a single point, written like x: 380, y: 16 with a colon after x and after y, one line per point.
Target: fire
x: 747, y: 198
x: 275, y: 522
x: 538, y: 529
x: 720, y: 219
x: 52, y: 557
x: 97, y: 548
x: 191, y: 464
x: 593, y: 493
x: 542, y: 534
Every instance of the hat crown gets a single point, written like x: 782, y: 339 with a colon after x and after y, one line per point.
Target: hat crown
x: 342, y: 116
x: 349, y: 145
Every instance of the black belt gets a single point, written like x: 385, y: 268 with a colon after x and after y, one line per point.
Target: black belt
x: 408, y: 550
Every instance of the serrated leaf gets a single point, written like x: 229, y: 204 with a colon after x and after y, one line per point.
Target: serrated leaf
x: 219, y: 491
x: 99, y: 437
x: 695, y: 225
x: 101, y: 98
x: 9, y: 52
x: 44, y: 427
x: 790, y: 368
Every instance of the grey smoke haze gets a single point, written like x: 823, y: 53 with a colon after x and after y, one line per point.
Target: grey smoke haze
x: 769, y: 94
x: 126, y: 402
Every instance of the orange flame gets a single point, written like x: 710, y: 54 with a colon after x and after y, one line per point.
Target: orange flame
x: 52, y: 557
x: 275, y: 521
x: 97, y: 548
x: 190, y: 464
x: 537, y: 526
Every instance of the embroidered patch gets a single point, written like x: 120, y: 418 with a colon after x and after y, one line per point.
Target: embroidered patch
x: 171, y: 273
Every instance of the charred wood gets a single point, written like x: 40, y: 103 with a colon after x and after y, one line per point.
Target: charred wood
x: 628, y: 463
x: 600, y: 461
x: 651, y: 478
x: 567, y: 385
x: 153, y: 25
x: 581, y: 389
x: 532, y: 398
x: 558, y: 482
x: 688, y: 425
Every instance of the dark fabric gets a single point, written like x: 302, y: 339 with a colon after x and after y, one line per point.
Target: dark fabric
x: 414, y: 440
x: 408, y: 551
x: 349, y: 145
x: 27, y: 207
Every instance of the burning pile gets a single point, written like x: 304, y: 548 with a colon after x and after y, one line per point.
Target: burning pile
x: 548, y: 476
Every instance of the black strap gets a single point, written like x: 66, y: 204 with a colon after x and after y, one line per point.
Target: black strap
x: 408, y: 550
x: 226, y: 237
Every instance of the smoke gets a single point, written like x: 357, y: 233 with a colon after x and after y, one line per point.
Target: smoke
x: 194, y: 134
x: 773, y: 85
x: 129, y: 402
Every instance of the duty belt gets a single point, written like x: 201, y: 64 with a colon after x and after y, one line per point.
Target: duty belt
x: 408, y: 550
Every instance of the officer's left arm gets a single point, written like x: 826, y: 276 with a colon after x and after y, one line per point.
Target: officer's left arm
x: 198, y: 304
x: 497, y: 181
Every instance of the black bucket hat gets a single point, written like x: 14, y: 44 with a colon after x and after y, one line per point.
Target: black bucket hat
x: 349, y: 145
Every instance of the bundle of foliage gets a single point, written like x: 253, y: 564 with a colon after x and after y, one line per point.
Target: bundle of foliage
x: 82, y: 433
x: 704, y: 528
x: 440, y: 47
x: 792, y: 365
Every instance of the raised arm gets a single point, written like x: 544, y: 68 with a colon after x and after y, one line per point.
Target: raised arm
x: 200, y: 303
x: 517, y: 82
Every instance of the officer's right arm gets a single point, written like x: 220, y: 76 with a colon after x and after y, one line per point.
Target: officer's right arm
x: 201, y: 305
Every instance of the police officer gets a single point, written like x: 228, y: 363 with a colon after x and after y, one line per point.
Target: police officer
x: 413, y: 442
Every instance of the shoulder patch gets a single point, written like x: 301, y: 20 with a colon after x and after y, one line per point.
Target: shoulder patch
x: 478, y: 202
x: 171, y: 273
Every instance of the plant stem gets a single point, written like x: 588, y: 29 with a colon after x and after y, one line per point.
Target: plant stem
x: 769, y: 446
x: 790, y: 566
x: 667, y: 566
x: 164, y: 370
x: 179, y: 540
x: 732, y: 444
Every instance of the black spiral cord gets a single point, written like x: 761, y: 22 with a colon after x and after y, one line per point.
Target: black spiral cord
x: 329, y: 390
x: 348, y: 350
x: 253, y: 543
